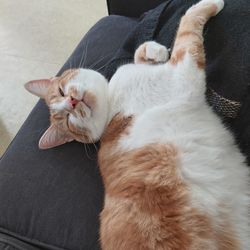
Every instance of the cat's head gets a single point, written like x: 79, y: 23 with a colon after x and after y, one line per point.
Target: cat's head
x: 78, y: 104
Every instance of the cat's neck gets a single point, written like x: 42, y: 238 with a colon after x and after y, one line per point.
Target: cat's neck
x: 115, y: 108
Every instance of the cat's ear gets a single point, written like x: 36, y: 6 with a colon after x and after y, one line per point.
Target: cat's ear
x: 53, y: 137
x: 39, y: 87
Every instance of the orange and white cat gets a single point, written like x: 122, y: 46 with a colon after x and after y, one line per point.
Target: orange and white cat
x: 174, y: 178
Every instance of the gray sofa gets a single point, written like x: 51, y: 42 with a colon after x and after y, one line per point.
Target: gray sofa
x: 51, y: 199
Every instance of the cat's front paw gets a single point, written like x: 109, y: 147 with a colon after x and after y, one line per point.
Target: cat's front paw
x: 151, y: 53
x: 219, y: 5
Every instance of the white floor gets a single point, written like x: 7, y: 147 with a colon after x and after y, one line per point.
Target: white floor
x: 36, y: 37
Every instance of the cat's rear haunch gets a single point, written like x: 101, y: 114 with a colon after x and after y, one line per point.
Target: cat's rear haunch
x: 173, y: 177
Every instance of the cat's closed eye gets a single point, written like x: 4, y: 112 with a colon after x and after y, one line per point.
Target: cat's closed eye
x: 61, y: 91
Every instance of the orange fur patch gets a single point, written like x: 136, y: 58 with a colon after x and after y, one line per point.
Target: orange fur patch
x: 177, y: 56
x: 147, y: 203
x: 116, y: 128
x: 188, y: 33
x: 226, y: 237
x: 67, y: 76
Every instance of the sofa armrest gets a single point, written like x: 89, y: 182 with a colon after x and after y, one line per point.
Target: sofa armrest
x: 131, y: 8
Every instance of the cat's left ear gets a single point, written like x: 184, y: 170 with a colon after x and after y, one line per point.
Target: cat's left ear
x: 39, y: 87
x: 53, y: 137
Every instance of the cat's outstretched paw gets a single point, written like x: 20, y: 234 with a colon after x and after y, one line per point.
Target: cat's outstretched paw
x: 151, y: 53
x: 219, y: 5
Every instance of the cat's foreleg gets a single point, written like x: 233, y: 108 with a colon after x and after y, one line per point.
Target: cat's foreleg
x: 188, y: 56
x: 151, y: 53
x: 189, y: 38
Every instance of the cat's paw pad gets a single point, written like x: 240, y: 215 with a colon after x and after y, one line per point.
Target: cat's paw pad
x: 151, y: 53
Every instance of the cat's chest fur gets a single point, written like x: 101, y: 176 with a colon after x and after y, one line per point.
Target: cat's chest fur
x: 161, y: 107
x: 135, y: 89
x: 138, y: 88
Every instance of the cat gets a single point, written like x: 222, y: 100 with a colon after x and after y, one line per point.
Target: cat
x: 174, y: 178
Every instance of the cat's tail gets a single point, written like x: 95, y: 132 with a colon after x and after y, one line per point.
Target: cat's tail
x: 189, y: 38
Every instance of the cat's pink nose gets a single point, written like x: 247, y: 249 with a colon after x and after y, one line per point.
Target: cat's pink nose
x: 73, y: 102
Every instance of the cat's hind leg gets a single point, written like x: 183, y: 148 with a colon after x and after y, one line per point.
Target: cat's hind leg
x: 151, y: 53
x: 189, y: 38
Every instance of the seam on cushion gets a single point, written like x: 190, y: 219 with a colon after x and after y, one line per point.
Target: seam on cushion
x: 12, y: 244
x: 35, y: 242
x: 4, y: 246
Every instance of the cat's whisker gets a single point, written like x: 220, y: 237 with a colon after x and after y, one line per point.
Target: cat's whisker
x: 100, y: 60
x: 92, y: 142
x: 74, y: 62
x: 84, y: 55
x: 87, y: 148
x: 103, y: 66
x: 95, y: 152
x: 86, y: 151
x: 70, y: 66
